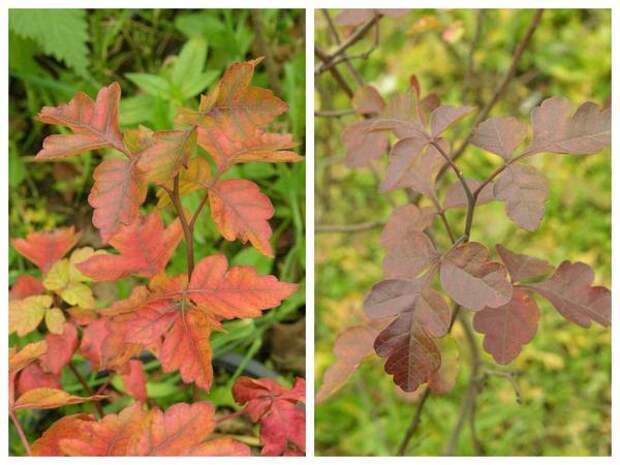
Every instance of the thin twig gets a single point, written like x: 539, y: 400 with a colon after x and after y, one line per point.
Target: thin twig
x: 469, y: 72
x: 501, y: 88
x: 471, y: 199
x: 20, y: 431
x: 187, y: 232
x: 324, y: 57
x: 352, y: 40
x: 467, y: 404
x: 343, y: 228
x: 86, y: 387
x: 334, y: 113
x: 415, y: 421
x: 344, y: 57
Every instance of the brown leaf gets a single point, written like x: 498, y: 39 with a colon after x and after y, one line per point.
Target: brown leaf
x: 500, y: 136
x: 352, y: 346
x: 571, y: 292
x: 457, y: 198
x: 509, y: 327
x: 240, y: 211
x: 411, y: 353
x: 363, y: 145
x: 409, y: 256
x: 404, y: 221
x: 445, y: 116
x: 525, y: 191
x: 557, y: 131
x: 392, y: 296
x: 414, y: 164
x: 472, y: 280
x: 522, y: 266
x: 368, y: 101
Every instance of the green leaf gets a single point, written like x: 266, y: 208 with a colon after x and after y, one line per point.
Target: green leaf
x: 192, y: 88
x: 60, y: 33
x: 190, y: 63
x: 150, y: 83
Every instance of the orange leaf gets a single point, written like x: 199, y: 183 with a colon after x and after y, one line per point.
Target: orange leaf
x: 168, y: 153
x: 145, y: 248
x: 227, y: 147
x: 46, y: 248
x: 94, y: 124
x: 180, y: 431
x: 234, y: 103
x: 241, y: 211
x: 238, y: 292
x: 48, y: 398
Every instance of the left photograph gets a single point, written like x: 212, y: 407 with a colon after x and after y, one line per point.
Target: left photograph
x: 157, y: 232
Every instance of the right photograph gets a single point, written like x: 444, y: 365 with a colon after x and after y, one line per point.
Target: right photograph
x: 463, y: 232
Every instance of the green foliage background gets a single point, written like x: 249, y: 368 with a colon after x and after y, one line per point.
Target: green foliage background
x: 163, y: 59
x: 565, y: 372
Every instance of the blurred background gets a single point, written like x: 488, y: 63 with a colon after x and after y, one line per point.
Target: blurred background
x: 162, y: 59
x: 564, y: 373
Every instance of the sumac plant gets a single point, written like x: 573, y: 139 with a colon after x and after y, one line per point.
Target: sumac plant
x: 172, y: 317
x: 409, y: 314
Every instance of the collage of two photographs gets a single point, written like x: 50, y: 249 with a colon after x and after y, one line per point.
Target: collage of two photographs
x: 163, y: 197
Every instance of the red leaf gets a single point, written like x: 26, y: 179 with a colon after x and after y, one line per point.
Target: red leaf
x: 26, y: 286
x: 571, y: 292
x: 472, y: 280
x: 94, y: 124
x: 145, y: 248
x: 106, y: 348
x: 282, y: 420
x: 60, y: 349
x: 557, y: 131
x: 46, y: 248
x: 525, y: 191
x: 522, y: 266
x: 169, y: 151
x: 241, y: 211
x: 368, y: 101
x: 226, y: 147
x: 134, y: 380
x: 33, y: 377
x: 238, y: 292
x: 351, y: 347
x: 118, y: 191
x: 509, y: 327
x: 500, y: 136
